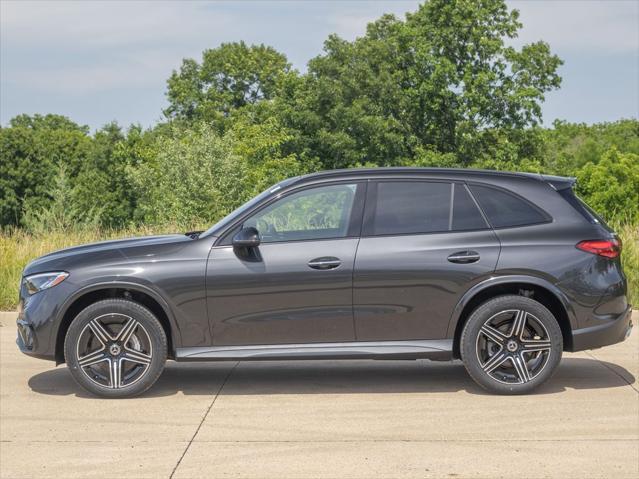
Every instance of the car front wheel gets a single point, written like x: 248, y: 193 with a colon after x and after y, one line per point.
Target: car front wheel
x: 115, y: 348
x: 511, y: 344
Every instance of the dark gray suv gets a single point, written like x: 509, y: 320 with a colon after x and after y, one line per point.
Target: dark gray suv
x: 502, y: 270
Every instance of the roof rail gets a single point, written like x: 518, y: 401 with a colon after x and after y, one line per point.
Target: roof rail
x: 557, y: 182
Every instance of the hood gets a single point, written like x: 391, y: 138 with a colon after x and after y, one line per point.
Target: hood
x: 121, y: 248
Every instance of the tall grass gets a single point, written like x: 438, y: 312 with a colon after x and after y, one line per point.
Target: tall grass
x: 630, y: 259
x: 17, y: 248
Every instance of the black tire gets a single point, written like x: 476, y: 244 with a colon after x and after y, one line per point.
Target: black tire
x: 125, y: 357
x: 501, y: 359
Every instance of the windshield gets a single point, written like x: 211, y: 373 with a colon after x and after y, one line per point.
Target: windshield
x: 246, y: 206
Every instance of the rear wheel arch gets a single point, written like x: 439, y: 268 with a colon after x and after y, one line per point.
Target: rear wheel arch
x: 534, y: 288
x: 126, y: 291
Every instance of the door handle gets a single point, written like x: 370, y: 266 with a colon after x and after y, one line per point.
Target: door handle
x: 464, y: 257
x: 325, y: 262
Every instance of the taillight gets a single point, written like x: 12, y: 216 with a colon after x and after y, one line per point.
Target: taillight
x: 607, y: 248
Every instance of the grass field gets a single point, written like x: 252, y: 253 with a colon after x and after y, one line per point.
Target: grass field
x: 17, y: 248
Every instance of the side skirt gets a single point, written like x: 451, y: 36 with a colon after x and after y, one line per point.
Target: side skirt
x: 439, y: 349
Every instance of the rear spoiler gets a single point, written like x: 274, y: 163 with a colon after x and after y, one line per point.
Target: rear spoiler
x: 559, y: 182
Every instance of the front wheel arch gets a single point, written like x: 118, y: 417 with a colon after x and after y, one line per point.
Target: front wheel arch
x: 100, y: 293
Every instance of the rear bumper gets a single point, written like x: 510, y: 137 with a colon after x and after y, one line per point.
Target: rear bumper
x: 598, y: 336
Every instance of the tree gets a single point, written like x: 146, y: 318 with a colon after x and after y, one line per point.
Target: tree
x: 101, y: 187
x: 262, y: 147
x: 230, y: 77
x: 60, y: 213
x: 569, y: 146
x: 31, y: 150
x: 434, y: 82
x: 188, y: 178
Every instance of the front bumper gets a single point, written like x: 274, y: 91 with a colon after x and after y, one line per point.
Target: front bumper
x: 598, y: 336
x: 26, y: 338
x: 36, y: 325
x: 26, y: 342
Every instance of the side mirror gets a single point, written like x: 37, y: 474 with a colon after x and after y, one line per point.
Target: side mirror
x: 247, y: 237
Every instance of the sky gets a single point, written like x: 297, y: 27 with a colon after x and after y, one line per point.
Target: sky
x: 100, y: 61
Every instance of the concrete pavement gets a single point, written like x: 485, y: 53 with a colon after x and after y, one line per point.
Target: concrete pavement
x: 355, y: 419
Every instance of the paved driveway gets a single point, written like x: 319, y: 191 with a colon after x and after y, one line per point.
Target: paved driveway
x: 358, y: 419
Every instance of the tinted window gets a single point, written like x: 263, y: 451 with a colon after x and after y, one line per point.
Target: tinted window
x: 578, y: 204
x: 466, y: 215
x: 246, y: 206
x: 315, y: 213
x: 504, y: 209
x: 411, y: 207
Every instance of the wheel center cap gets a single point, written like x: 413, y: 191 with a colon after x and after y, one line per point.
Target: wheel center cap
x: 512, y: 346
x: 114, y: 349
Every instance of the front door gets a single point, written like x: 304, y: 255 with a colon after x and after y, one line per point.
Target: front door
x: 423, y: 244
x: 297, y: 286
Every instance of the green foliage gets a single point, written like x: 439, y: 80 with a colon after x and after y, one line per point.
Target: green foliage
x: 611, y: 185
x: 569, y: 146
x: 31, y: 150
x: 438, y: 88
x: 35, y: 149
x: 18, y: 247
x: 60, y: 213
x: 629, y: 234
x: 191, y: 176
x: 262, y: 148
x: 196, y: 175
x: 230, y: 77
x: 434, y: 82
x: 104, y: 172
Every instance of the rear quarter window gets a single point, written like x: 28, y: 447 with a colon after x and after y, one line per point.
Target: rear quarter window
x: 582, y: 208
x: 504, y: 209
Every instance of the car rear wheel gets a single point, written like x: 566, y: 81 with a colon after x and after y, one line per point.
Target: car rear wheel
x: 115, y: 348
x: 511, y: 344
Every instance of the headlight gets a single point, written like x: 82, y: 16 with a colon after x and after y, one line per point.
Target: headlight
x: 38, y: 282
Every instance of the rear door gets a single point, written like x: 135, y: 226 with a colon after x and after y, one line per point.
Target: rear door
x: 424, y: 243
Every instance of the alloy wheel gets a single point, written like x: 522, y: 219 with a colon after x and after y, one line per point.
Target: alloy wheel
x: 114, y: 350
x: 513, y: 346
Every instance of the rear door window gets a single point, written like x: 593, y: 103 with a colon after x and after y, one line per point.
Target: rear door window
x: 405, y: 207
x: 417, y: 207
x: 504, y: 209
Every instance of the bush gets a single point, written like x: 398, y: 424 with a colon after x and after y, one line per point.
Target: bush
x: 611, y: 186
x: 31, y: 150
x: 195, y: 175
x: 60, y: 213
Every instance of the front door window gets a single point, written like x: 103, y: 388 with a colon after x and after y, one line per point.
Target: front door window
x: 312, y: 214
